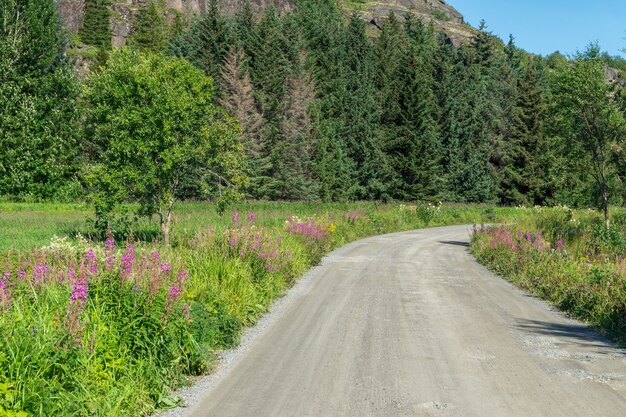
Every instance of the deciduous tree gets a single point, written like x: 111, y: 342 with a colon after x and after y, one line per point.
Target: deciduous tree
x: 589, y: 118
x: 157, y: 131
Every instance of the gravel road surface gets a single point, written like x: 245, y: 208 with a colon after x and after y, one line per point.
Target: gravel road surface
x: 409, y: 324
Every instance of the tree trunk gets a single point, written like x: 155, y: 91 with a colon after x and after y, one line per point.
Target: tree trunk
x: 166, y: 220
x: 605, y: 195
x: 605, y: 204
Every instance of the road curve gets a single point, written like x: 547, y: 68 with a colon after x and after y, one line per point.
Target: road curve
x: 410, y: 325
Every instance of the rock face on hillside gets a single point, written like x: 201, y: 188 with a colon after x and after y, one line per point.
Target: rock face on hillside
x: 123, y: 12
x: 444, y: 16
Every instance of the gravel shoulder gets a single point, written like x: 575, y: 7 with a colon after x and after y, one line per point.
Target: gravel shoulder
x: 409, y: 324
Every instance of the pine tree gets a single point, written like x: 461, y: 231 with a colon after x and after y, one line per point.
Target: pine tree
x: 96, y: 30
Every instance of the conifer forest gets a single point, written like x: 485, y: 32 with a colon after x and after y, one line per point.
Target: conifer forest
x: 307, y: 105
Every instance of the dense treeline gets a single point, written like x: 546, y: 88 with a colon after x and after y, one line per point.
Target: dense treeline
x: 328, y: 112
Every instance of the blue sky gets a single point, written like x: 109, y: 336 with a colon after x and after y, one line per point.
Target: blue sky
x: 544, y: 26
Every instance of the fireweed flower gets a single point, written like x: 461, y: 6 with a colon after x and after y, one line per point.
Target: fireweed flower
x: 39, y: 274
x: 109, y: 250
x: 155, y: 256
x: 176, y: 288
x: 165, y: 268
x: 236, y: 217
x: 128, y: 260
x: 5, y: 295
x: 71, y: 275
x: 74, y: 321
x: 309, y: 229
x: 233, y: 241
x: 90, y: 261
x: 251, y: 217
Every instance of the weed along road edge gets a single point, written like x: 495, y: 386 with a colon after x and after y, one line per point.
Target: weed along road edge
x: 409, y: 324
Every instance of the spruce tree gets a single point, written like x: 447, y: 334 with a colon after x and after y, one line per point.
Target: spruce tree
x: 415, y: 150
x: 529, y: 159
x: 206, y: 43
x: 96, y: 30
x: 245, y: 31
x: 322, y: 36
x: 390, y: 48
x: 294, y: 151
x: 274, y: 66
x: 38, y: 119
x: 466, y: 132
x: 360, y: 113
x: 270, y: 67
x: 150, y: 30
x: 239, y: 100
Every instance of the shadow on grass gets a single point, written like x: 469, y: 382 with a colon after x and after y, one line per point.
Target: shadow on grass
x: 140, y: 233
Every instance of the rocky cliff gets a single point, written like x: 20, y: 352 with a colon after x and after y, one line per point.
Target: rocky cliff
x: 444, y: 16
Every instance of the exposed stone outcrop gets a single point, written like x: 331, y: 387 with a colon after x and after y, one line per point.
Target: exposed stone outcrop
x: 123, y: 12
x: 72, y: 13
x: 612, y: 75
x: 444, y: 16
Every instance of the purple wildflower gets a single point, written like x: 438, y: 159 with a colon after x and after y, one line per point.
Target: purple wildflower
x: 76, y: 306
x: 128, y: 260
x: 109, y: 249
x: 251, y: 217
x: 176, y: 288
x: 5, y: 295
x: 39, y: 274
x: 236, y: 217
x: 90, y: 261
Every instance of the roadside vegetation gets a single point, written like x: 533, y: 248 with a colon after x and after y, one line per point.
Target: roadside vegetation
x: 567, y: 257
x: 109, y: 325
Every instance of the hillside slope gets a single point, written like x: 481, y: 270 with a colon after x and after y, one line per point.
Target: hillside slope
x: 444, y: 16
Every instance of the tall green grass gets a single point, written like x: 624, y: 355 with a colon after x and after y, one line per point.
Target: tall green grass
x: 566, y: 257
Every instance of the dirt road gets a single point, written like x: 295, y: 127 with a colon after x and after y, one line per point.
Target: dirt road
x: 410, y: 325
